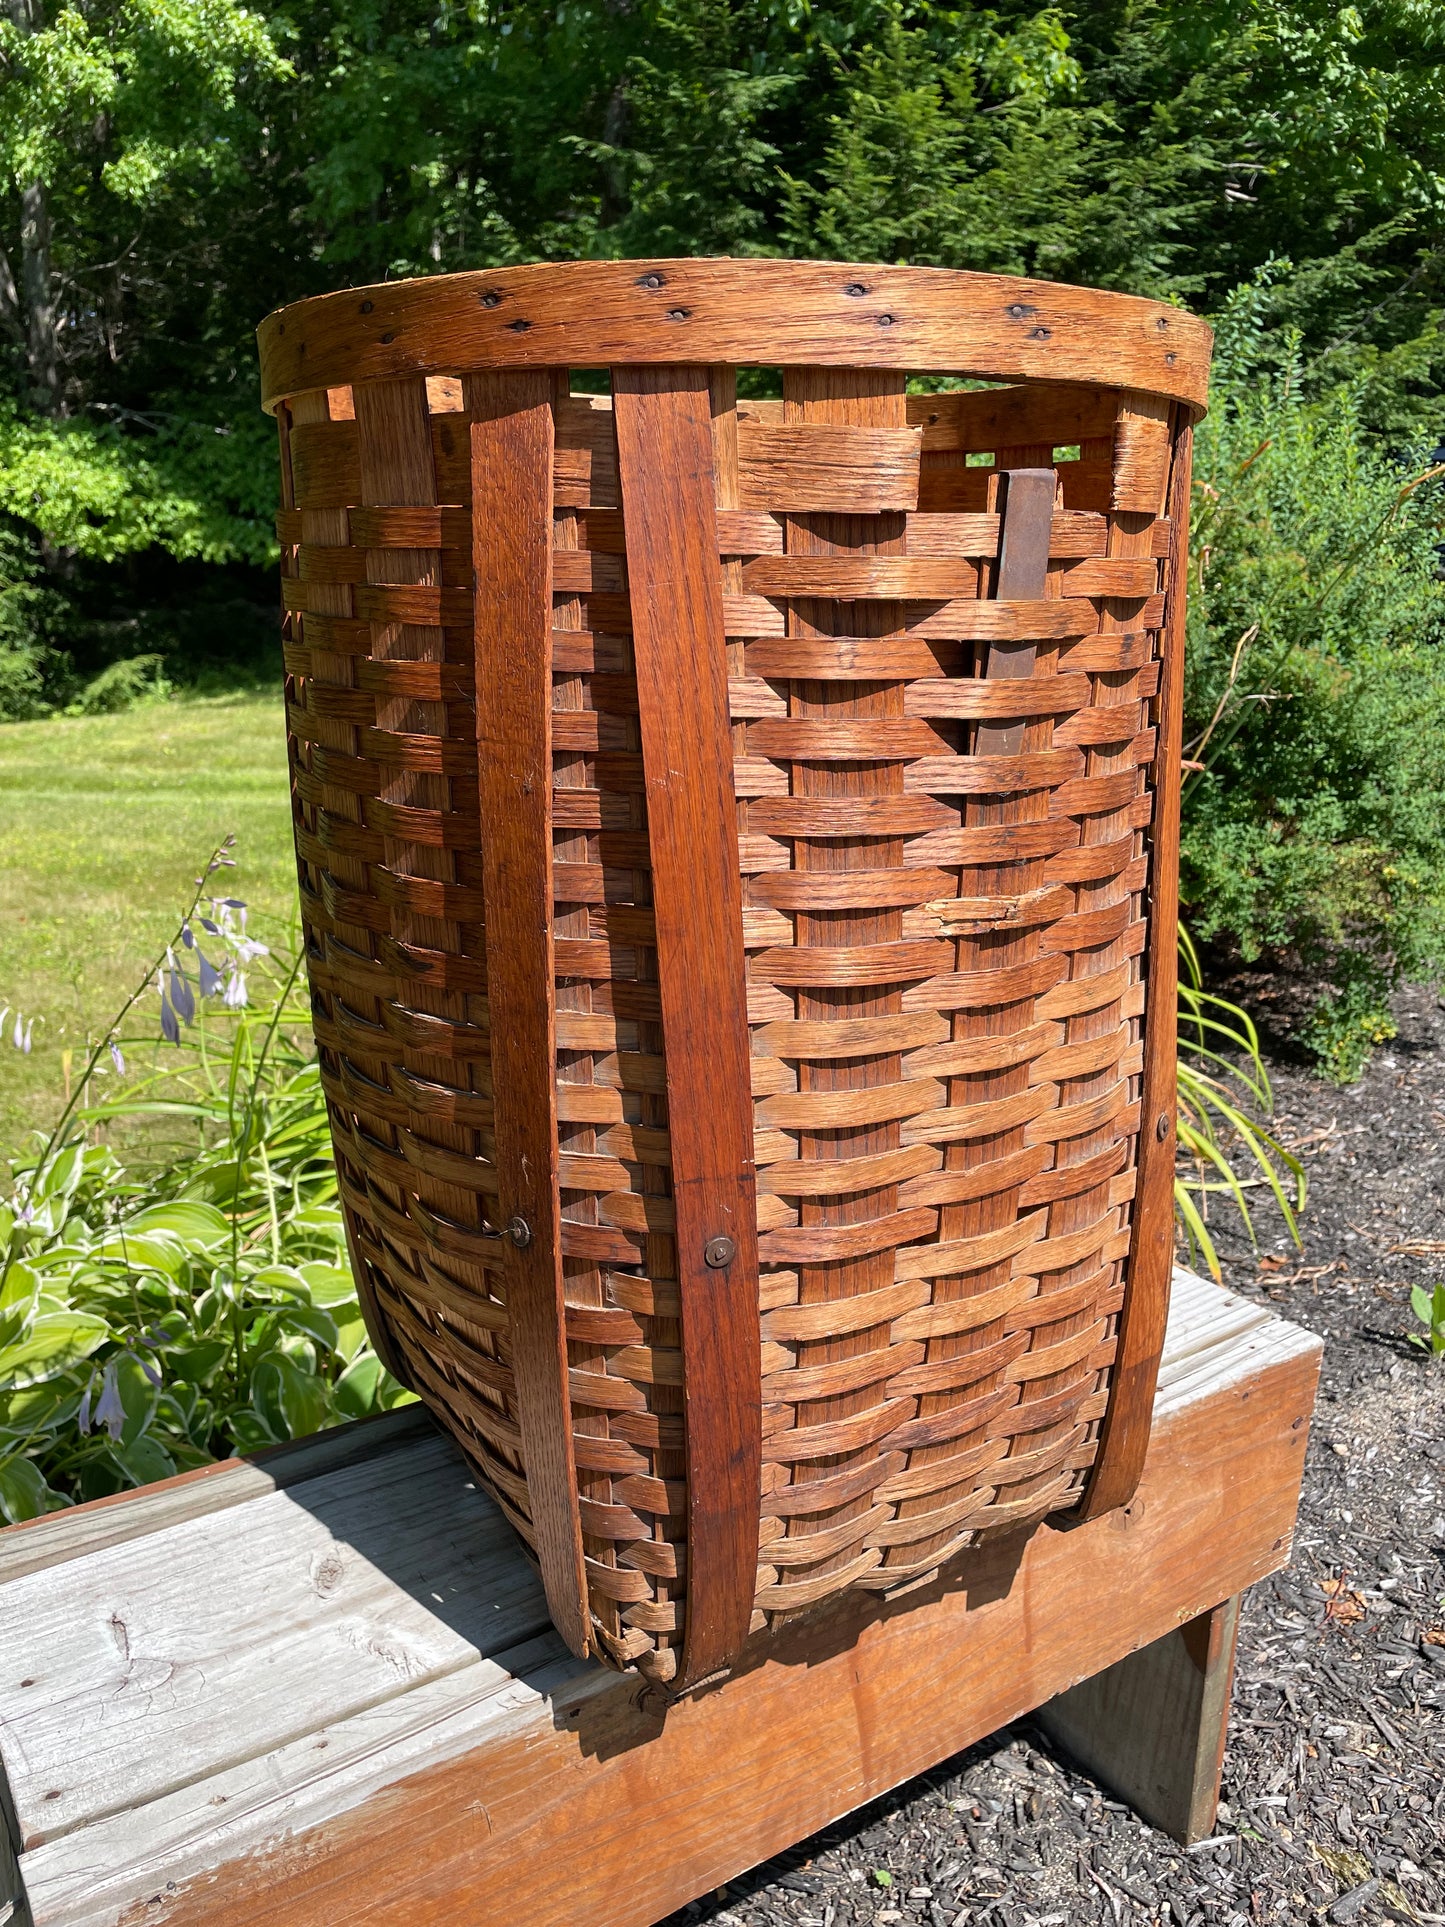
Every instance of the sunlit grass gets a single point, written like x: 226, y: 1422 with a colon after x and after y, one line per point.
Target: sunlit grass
x: 101, y: 819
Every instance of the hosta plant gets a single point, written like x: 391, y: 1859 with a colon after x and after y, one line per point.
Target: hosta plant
x: 153, y: 1319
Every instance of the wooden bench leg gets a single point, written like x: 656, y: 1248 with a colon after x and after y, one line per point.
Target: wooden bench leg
x: 1152, y: 1726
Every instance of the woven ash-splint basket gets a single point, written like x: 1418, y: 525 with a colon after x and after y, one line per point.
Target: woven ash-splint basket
x: 737, y: 845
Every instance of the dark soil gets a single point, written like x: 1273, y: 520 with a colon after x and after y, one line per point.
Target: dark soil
x: 1334, y: 1778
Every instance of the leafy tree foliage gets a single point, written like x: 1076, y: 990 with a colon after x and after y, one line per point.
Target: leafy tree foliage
x: 170, y: 170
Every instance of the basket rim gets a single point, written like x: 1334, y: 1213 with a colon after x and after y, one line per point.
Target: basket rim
x: 756, y: 312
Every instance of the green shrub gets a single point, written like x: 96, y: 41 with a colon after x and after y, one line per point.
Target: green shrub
x: 121, y: 686
x: 32, y: 672
x: 1316, y: 691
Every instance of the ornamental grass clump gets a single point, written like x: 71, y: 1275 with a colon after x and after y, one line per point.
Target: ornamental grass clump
x: 1224, y: 1091
x: 152, y: 1320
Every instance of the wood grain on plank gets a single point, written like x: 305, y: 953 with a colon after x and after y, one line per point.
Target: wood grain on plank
x: 313, y: 1603
x: 80, y: 1530
x: 666, y: 469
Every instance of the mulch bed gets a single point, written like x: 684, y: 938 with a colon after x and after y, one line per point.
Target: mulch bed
x: 1334, y: 1777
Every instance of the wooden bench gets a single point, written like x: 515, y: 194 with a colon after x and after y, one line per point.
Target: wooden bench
x: 323, y: 1688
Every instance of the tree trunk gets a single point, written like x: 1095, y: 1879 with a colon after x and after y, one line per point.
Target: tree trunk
x: 36, y: 291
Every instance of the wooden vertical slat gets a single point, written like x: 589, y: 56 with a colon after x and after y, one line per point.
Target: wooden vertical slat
x: 1125, y: 1434
x: 328, y: 528
x: 511, y: 436
x: 666, y: 473
x: 859, y: 399
x: 1021, y: 575
x: 1026, y: 505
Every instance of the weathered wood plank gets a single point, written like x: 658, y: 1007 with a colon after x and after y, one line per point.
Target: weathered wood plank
x: 153, y: 1662
x: 61, y: 1536
x: 228, y: 1784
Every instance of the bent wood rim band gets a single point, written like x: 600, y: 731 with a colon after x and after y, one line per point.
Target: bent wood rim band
x: 748, y: 313
x: 511, y: 454
x: 665, y: 468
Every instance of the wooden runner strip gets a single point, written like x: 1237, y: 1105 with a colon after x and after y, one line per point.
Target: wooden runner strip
x: 666, y: 473
x: 999, y: 975
x: 511, y: 441
x: 1026, y: 508
x: 1124, y: 1436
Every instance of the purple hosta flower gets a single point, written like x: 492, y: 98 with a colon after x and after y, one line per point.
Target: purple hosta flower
x: 210, y: 976
x: 146, y: 1366
x: 235, y: 997
x: 116, y: 1057
x: 187, y: 938
x: 182, y: 997
x: 110, y: 1412
x: 20, y: 1033
x: 26, y: 1213
x: 248, y: 949
x: 211, y: 929
x: 233, y: 928
x: 82, y: 1417
x: 170, y: 1029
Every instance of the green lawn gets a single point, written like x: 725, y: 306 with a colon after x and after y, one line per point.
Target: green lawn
x: 104, y: 822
